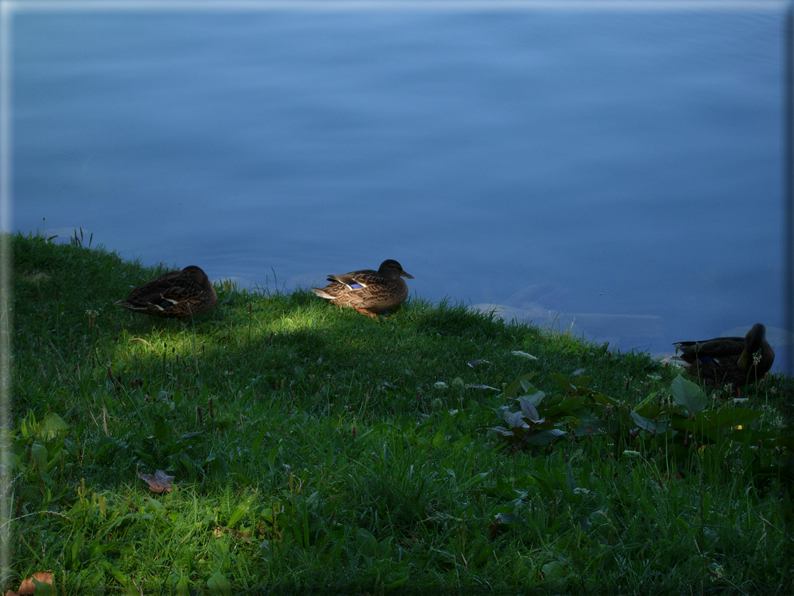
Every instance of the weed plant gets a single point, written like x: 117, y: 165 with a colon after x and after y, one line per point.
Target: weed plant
x: 316, y: 450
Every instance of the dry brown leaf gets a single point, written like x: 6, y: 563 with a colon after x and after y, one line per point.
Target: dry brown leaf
x: 28, y: 587
x: 159, y: 482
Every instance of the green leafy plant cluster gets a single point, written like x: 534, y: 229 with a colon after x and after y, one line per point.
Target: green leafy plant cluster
x: 677, y: 427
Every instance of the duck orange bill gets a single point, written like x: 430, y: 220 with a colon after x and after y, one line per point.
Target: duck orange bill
x: 406, y: 274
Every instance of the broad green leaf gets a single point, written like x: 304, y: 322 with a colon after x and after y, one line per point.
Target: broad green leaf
x: 688, y: 394
x: 653, y: 426
x: 645, y: 405
x: 183, y: 586
x: 529, y: 404
x: 563, y: 382
x: 604, y: 400
x: 654, y: 410
x: 553, y: 571
x: 526, y: 385
x: 515, y: 419
x: 42, y: 588
x: 384, y: 549
x: 39, y: 454
x: 516, y: 385
x: 544, y: 437
x: 242, y: 509
x: 366, y: 543
x: 52, y: 426
x: 218, y: 584
x: 529, y: 411
x: 567, y: 406
x: 727, y: 419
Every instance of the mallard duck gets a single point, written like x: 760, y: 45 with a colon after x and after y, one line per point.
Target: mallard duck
x: 175, y: 294
x: 368, y: 291
x: 729, y: 359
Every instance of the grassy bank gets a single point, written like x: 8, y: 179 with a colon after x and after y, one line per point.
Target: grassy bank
x: 315, y: 449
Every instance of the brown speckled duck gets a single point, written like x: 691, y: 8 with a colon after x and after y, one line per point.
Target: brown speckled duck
x: 729, y: 359
x: 368, y: 291
x: 175, y: 294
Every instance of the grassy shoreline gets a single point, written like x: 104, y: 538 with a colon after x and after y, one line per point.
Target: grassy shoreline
x: 314, y: 449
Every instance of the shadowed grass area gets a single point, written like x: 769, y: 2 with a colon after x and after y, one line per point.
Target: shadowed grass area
x: 314, y: 449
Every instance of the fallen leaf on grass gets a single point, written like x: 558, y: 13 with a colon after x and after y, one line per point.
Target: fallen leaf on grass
x: 521, y: 354
x: 474, y: 363
x: 159, y: 482
x: 28, y: 585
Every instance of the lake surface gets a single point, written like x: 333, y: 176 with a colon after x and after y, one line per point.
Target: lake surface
x: 615, y: 171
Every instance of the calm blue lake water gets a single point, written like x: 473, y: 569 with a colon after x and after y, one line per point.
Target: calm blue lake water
x: 618, y: 171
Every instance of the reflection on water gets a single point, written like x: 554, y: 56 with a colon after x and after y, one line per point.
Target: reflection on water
x: 616, y: 172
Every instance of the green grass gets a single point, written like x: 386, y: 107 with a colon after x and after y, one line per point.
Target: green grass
x: 318, y: 450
